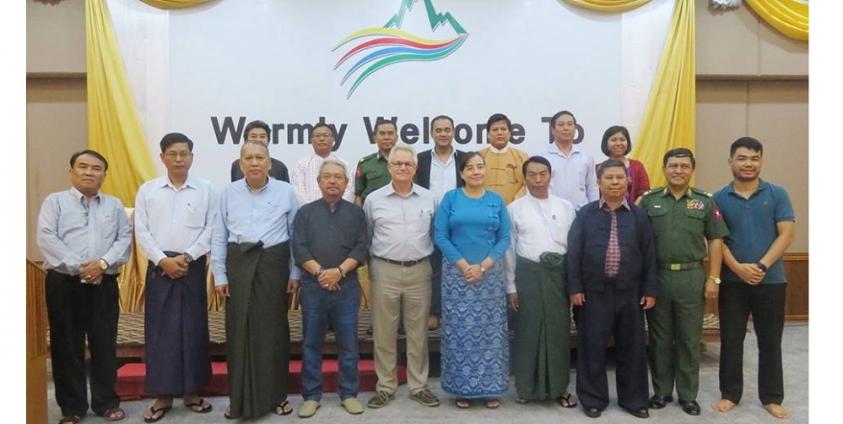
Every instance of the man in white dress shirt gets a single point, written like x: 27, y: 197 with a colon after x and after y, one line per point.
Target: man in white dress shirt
x: 307, y: 168
x: 535, y: 270
x: 173, y: 217
x: 574, y: 177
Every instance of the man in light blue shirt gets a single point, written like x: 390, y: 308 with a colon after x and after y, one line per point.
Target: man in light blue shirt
x: 254, y: 268
x: 173, y: 219
x: 84, y: 236
x: 574, y: 178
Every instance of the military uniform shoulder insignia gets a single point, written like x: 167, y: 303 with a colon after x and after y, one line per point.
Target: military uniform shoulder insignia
x: 367, y: 157
x: 703, y: 192
x: 652, y: 190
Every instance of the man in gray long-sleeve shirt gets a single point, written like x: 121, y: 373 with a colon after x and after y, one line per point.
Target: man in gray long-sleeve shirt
x: 330, y: 240
x: 84, y: 236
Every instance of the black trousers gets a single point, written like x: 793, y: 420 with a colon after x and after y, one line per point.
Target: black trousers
x: 77, y: 310
x: 607, y: 314
x: 765, y: 302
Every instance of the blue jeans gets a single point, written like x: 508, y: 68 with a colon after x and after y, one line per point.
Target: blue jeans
x: 319, y: 306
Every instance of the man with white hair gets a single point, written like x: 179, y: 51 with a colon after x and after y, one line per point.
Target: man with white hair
x: 400, y: 218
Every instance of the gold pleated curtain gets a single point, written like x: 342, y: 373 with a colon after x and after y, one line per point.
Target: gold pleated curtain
x: 790, y: 17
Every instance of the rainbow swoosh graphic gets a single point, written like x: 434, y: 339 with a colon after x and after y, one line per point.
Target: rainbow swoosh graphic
x: 383, y: 46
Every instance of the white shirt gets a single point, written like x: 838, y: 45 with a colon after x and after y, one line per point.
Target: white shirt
x: 538, y: 226
x: 442, y: 175
x: 174, y: 219
x: 304, y: 178
x: 574, y: 176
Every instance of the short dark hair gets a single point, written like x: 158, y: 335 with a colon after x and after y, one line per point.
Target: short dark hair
x: 468, y: 156
x: 93, y: 153
x: 382, y: 121
x: 321, y: 125
x: 679, y: 152
x: 535, y: 159
x: 560, y: 113
x: 746, y: 142
x: 609, y: 163
x: 257, y: 124
x: 432, y: 121
x: 614, y: 129
x: 497, y: 118
x: 174, y: 138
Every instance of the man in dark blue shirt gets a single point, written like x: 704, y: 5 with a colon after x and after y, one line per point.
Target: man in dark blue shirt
x: 330, y: 240
x: 612, y: 278
x: 761, y: 223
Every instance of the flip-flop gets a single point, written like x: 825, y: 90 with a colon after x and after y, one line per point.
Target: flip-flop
x: 153, y: 418
x: 283, y: 406
x: 204, y: 407
x: 493, y: 403
x: 567, y: 401
x: 70, y: 419
x: 114, y: 414
x: 463, y: 403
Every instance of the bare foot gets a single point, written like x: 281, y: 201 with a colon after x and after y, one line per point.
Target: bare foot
x: 777, y: 411
x: 432, y: 322
x: 723, y: 405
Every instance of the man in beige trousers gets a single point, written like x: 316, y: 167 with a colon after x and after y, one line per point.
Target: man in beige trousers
x: 400, y: 218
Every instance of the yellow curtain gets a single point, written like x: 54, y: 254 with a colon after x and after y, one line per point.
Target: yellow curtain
x: 174, y: 4
x: 609, y: 5
x: 113, y: 126
x: 670, y: 118
x: 790, y: 17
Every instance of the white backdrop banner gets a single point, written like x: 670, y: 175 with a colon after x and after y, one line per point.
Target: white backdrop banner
x: 207, y: 71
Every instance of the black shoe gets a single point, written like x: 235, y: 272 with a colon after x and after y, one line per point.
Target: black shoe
x: 592, y: 412
x: 690, y: 407
x: 640, y: 413
x: 659, y: 402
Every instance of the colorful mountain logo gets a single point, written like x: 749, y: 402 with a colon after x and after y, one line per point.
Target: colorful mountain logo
x: 381, y: 47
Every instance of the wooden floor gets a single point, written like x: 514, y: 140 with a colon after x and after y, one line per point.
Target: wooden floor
x: 130, y: 337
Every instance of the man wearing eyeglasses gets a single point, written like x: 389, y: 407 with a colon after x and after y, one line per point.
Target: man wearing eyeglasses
x: 173, y: 216
x: 307, y: 168
x: 84, y: 236
x: 400, y: 217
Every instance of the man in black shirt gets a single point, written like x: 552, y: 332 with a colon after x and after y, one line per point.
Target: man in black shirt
x: 259, y: 131
x: 330, y: 239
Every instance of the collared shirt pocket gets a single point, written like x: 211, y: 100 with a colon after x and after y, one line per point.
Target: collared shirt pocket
x: 108, y: 225
x: 194, y: 217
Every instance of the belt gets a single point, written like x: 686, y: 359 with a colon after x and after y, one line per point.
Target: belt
x: 681, y: 266
x: 401, y: 263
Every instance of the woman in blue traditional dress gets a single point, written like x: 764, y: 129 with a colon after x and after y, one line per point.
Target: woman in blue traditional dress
x: 472, y: 230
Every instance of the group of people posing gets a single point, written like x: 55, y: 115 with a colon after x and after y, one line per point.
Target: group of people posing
x: 451, y: 240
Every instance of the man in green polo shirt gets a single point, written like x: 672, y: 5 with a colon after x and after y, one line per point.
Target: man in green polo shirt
x: 684, y: 219
x: 371, y: 170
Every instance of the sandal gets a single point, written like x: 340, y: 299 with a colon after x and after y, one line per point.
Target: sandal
x: 152, y: 418
x: 204, y: 407
x: 114, y: 414
x: 493, y: 404
x: 70, y: 419
x: 463, y: 403
x: 521, y: 400
x: 228, y: 416
x: 285, y: 407
x: 567, y: 401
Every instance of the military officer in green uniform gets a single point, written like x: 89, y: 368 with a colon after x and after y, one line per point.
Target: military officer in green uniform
x: 684, y: 218
x: 371, y: 170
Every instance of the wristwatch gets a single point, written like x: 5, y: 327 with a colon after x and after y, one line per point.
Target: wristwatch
x: 187, y: 257
x: 715, y: 279
x: 342, y: 272
x: 763, y: 267
x: 103, y: 264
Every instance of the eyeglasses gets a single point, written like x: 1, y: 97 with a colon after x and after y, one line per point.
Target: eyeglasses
x: 178, y: 155
x: 403, y: 164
